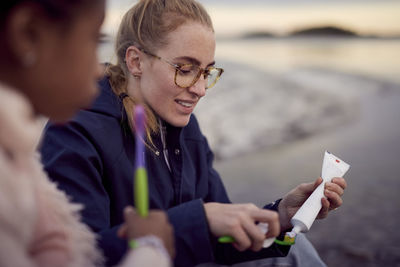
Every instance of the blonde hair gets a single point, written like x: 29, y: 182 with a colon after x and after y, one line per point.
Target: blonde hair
x: 146, y: 25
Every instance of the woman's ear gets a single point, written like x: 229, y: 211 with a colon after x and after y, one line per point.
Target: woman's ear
x: 133, y: 61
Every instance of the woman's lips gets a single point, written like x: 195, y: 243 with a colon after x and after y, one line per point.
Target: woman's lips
x: 186, y: 106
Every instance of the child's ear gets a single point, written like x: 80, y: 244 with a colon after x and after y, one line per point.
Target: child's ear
x: 24, y: 30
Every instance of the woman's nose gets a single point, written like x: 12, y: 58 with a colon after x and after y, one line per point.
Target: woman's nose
x: 199, y: 87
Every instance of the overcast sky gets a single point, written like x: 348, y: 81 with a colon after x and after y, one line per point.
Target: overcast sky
x: 232, y: 17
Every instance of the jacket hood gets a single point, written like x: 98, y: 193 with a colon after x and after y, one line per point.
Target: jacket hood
x: 107, y: 102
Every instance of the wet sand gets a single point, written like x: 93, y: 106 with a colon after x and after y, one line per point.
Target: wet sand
x: 364, y: 231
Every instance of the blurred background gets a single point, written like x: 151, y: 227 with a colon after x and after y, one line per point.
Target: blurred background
x: 302, y: 77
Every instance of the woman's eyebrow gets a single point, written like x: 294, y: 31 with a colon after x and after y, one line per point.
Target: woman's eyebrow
x: 193, y: 61
x: 211, y: 64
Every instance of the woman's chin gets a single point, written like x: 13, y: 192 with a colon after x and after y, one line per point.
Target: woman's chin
x: 180, y: 121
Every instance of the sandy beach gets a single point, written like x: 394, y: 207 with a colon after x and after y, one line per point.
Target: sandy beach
x: 281, y: 103
x: 363, y: 232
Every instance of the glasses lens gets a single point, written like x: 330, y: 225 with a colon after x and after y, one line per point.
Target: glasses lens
x: 186, y: 74
x: 213, y: 76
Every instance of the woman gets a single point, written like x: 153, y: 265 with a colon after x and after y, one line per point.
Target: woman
x: 48, y: 66
x: 165, y: 52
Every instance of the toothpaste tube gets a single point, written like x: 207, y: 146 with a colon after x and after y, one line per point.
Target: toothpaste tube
x: 303, y: 219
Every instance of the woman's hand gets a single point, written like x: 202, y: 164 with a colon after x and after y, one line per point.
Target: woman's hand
x: 294, y: 199
x: 156, y: 223
x: 239, y: 221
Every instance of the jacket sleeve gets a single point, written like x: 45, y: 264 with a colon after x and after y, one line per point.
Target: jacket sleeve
x: 192, y: 237
x: 226, y: 253
x: 72, y: 161
x: 17, y: 216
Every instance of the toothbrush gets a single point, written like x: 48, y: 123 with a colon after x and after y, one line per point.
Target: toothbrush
x: 141, y: 192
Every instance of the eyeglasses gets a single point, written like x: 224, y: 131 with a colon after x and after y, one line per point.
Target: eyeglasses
x: 186, y: 75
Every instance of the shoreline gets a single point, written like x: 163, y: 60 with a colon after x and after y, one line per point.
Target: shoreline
x: 252, y: 110
x: 360, y: 232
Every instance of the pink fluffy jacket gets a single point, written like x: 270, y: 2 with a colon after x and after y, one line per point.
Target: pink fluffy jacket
x: 38, y: 225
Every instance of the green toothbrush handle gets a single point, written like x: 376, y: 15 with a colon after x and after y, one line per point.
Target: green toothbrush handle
x: 287, y: 241
x: 141, y: 192
x: 226, y: 239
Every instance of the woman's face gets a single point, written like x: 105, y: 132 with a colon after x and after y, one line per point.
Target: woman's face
x: 191, y: 43
x: 67, y: 69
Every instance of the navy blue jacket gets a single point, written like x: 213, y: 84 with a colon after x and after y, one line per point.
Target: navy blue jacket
x: 91, y: 158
